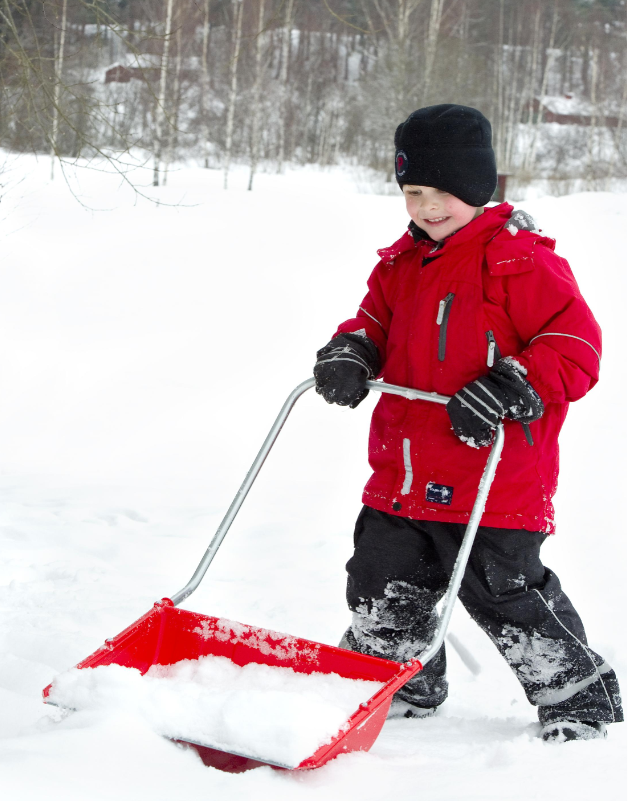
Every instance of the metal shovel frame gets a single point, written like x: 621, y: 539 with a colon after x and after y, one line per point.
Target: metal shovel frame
x: 470, y: 532
x: 166, y: 634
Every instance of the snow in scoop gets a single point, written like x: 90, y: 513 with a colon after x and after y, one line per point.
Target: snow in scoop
x: 271, y: 713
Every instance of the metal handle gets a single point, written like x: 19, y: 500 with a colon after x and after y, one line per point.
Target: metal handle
x: 466, y: 546
x: 470, y: 532
x: 242, y: 493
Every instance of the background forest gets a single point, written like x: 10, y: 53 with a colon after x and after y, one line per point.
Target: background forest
x: 271, y: 82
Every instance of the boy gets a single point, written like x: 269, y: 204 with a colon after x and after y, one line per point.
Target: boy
x: 471, y: 303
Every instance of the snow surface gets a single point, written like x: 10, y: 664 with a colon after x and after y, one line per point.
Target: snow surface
x: 145, y: 352
x: 271, y: 713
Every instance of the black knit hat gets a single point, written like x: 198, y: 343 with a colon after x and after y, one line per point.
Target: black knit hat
x: 448, y: 147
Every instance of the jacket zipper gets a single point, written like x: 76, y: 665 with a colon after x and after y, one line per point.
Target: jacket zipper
x: 442, y: 322
x: 493, y: 351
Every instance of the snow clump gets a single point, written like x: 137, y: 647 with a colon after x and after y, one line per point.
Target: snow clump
x: 269, y: 713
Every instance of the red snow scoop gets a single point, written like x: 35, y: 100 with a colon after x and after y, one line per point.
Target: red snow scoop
x: 165, y: 635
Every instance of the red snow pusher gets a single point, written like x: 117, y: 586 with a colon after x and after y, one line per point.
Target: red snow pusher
x: 165, y: 635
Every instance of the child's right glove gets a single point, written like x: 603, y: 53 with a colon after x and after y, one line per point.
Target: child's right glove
x: 343, y: 367
x: 476, y: 410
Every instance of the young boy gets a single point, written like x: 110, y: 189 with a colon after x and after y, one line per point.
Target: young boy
x: 471, y: 303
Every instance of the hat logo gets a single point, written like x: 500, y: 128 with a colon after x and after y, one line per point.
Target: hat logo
x: 401, y: 163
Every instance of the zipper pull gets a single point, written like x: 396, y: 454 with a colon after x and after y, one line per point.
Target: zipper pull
x: 491, y: 354
x: 492, y: 348
x: 442, y: 307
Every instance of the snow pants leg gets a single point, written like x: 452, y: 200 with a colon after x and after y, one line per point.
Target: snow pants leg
x: 400, y: 570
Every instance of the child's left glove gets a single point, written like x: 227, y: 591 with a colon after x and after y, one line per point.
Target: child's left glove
x: 476, y: 410
x: 343, y: 367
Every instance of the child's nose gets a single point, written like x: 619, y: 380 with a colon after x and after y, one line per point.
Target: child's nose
x: 427, y: 203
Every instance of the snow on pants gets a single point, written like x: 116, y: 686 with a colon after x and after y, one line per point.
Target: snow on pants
x: 400, y: 570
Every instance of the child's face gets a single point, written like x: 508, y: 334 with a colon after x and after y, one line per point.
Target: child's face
x: 436, y: 212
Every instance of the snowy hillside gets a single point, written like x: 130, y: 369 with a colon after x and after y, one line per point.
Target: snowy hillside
x: 144, y: 354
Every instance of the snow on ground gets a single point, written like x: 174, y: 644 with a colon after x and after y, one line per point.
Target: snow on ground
x: 144, y: 353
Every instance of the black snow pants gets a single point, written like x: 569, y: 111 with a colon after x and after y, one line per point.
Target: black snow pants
x: 400, y: 570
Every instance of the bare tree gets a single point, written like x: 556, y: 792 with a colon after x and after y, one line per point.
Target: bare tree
x: 593, y: 118
x: 233, y: 70
x: 160, y: 109
x: 60, y: 37
x: 436, y: 10
x: 529, y: 159
x: 257, y: 85
x: 286, y: 51
x: 205, y: 84
x: 176, y: 99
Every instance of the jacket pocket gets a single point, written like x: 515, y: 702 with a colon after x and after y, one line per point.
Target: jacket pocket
x: 442, y: 321
x: 493, y: 351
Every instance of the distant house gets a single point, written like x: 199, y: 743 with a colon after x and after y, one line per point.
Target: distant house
x: 118, y: 73
x: 572, y: 110
x: 144, y: 67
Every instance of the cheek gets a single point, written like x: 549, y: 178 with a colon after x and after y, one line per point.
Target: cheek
x: 459, y: 210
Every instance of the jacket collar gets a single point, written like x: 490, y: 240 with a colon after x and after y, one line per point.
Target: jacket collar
x: 484, y: 228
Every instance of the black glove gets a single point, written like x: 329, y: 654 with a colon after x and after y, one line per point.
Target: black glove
x: 476, y: 410
x: 343, y: 367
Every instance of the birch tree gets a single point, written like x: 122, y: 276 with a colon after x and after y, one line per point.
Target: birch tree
x: 257, y: 85
x: 498, y: 89
x: 534, y: 58
x: 593, y: 118
x: 529, y: 161
x: 283, y: 78
x: 205, y: 85
x: 160, y: 109
x: 59, y: 57
x: 436, y: 9
x: 176, y: 101
x: 233, y: 69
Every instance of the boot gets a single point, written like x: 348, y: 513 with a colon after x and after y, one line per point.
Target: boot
x: 402, y: 709
x: 561, y: 731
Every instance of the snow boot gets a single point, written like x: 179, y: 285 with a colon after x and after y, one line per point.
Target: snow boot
x: 402, y: 709
x: 562, y: 731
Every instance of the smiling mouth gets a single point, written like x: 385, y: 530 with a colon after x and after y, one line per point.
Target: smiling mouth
x: 436, y: 220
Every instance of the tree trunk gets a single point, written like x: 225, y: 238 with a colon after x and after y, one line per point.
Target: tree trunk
x: 498, y: 93
x: 205, y: 85
x: 160, y: 111
x: 529, y: 161
x: 436, y: 9
x: 283, y: 78
x: 255, y: 122
x: 174, y: 122
x: 594, y: 115
x: 57, y: 93
x: 238, y: 5
x: 512, y: 106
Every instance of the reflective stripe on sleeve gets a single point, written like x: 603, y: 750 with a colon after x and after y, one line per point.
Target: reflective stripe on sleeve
x: 571, y: 336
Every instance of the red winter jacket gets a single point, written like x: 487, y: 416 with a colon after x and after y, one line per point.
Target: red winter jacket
x: 437, y: 327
